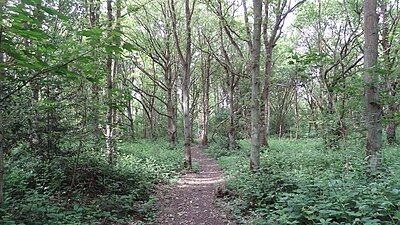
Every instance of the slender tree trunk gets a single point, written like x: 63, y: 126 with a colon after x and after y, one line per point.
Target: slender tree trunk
x: 281, y: 9
x: 206, y: 105
x: 169, y: 78
x: 321, y: 72
x: 185, y: 61
x: 130, y: 118
x: 1, y: 132
x: 391, y: 132
x: 186, y: 120
x: 145, y: 125
x: 373, y: 107
x: 296, y: 109
x: 231, y: 102
x: 115, y: 65
x: 268, y: 45
x: 265, y: 96
x: 185, y: 88
x: 153, y: 113
x: 36, y: 137
x: 2, y: 74
x: 152, y: 122
x: 171, y: 109
x: 171, y: 98
x: 391, y: 83
x: 52, y: 123
x: 186, y: 115
x: 314, y: 112
x: 82, y: 131
x: 94, y: 8
x: 230, y: 84
x: 255, y: 87
x: 109, y: 130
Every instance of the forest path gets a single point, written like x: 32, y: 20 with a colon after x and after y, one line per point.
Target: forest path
x: 191, y: 201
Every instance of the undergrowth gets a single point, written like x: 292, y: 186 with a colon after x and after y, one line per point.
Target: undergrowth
x: 61, y: 191
x: 304, y: 183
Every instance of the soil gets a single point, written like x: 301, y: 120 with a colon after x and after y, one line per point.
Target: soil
x: 191, y: 201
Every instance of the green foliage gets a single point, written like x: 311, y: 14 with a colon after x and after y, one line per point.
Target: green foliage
x: 41, y: 192
x: 219, y: 125
x: 303, y: 183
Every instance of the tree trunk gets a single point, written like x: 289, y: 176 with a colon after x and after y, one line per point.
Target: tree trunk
x: 391, y: 132
x: 373, y: 107
x: 296, y: 109
x: 36, y: 137
x: 231, y: 102
x: 82, y: 131
x: 94, y: 9
x: 185, y: 61
x: 109, y: 130
x: 230, y: 84
x: 2, y: 74
x: 186, y: 116
x: 52, y: 123
x: 186, y: 90
x: 170, y: 78
x: 130, y: 118
x: 265, y: 96
x: 255, y: 87
x: 206, y: 105
x: 268, y: 45
x: 153, y: 113
x: 321, y: 71
x: 171, y: 109
x: 391, y: 83
x: 1, y: 132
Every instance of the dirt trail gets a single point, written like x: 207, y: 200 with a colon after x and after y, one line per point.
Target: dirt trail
x: 191, y: 201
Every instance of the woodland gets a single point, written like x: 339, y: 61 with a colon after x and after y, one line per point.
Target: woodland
x: 102, y: 102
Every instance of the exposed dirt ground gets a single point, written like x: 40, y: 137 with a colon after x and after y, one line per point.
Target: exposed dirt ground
x: 191, y: 201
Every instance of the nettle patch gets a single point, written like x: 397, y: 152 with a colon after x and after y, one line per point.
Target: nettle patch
x: 302, y: 183
x: 91, y: 191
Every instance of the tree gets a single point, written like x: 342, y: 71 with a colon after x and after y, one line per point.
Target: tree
x: 153, y: 40
x: 390, y: 19
x: 255, y: 86
x: 2, y: 74
x: 185, y: 60
x: 94, y: 19
x: 205, y: 82
x: 110, y: 70
x: 373, y: 107
x: 331, y: 32
x: 271, y: 34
